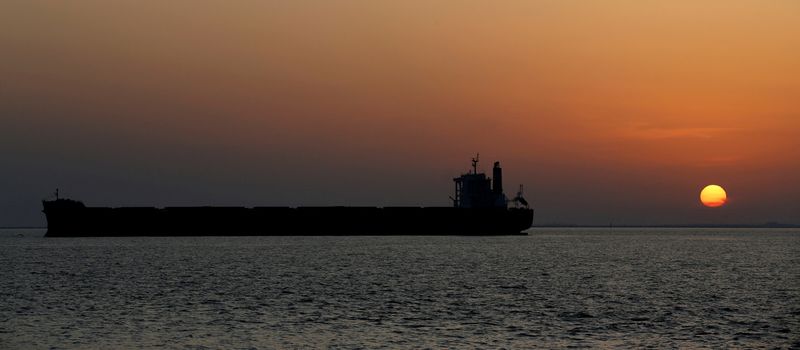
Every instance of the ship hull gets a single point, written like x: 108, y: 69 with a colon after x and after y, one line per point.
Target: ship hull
x: 80, y: 221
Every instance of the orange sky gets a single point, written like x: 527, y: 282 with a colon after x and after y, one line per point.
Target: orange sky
x: 608, y: 111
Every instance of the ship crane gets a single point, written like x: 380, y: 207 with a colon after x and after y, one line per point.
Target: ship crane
x: 519, y: 199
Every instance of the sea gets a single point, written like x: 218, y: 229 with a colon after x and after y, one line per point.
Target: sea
x: 554, y: 288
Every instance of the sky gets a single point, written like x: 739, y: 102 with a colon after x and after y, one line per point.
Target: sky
x: 607, y: 111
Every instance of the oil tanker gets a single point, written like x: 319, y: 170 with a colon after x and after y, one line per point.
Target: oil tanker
x: 479, y: 208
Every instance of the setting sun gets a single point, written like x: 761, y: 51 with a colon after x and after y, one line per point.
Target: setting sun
x: 713, y: 196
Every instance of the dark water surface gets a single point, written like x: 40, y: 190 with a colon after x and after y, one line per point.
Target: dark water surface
x: 555, y: 288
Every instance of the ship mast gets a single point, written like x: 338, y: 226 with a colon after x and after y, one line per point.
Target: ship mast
x: 475, y: 163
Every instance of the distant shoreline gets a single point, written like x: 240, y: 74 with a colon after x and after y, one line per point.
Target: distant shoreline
x: 671, y: 226
x: 564, y: 226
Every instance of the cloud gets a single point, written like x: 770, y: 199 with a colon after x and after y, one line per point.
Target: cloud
x: 643, y: 132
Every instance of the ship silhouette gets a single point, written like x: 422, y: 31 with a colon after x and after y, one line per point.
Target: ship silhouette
x: 479, y: 208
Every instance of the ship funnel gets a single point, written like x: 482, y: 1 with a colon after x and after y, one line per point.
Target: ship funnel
x: 497, y: 179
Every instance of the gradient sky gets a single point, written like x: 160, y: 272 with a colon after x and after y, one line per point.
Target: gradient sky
x: 607, y: 111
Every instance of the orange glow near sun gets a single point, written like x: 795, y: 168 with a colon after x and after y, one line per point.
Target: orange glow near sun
x: 713, y: 196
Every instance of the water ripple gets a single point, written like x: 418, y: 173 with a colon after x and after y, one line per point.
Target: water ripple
x: 552, y: 289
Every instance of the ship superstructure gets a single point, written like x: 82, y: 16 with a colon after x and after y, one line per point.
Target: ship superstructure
x: 475, y: 190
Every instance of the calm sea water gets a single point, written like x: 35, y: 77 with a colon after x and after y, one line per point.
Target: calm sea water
x: 554, y: 288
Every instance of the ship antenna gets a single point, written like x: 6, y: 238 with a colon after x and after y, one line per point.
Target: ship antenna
x: 475, y: 163
x: 56, y: 192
